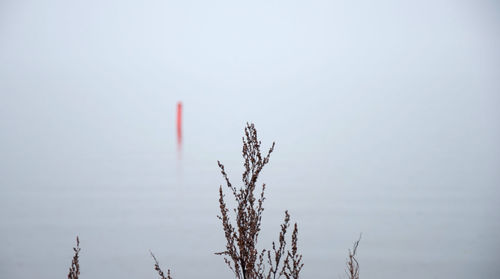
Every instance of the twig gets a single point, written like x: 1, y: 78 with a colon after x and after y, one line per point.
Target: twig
x: 158, y: 269
x: 352, y: 263
x: 74, y: 270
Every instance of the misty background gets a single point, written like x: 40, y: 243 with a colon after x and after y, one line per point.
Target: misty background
x: 385, y: 116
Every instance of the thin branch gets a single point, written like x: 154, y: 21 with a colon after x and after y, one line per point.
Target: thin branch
x: 158, y: 269
x: 352, y: 263
x: 74, y: 270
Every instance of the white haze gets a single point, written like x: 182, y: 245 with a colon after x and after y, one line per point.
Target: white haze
x: 385, y: 115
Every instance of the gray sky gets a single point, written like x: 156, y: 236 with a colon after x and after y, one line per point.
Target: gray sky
x: 390, y: 79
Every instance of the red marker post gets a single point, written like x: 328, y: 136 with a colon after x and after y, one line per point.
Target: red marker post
x: 179, y: 124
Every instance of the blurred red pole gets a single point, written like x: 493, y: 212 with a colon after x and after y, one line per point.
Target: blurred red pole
x: 179, y: 124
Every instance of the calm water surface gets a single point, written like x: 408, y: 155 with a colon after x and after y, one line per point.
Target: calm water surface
x: 123, y: 203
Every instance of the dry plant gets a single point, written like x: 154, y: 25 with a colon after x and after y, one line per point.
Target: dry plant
x: 352, y: 263
x: 158, y: 269
x: 74, y: 270
x: 241, y: 254
x: 293, y: 262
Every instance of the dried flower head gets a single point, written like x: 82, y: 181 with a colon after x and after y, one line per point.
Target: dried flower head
x: 158, y: 269
x: 74, y: 270
x: 241, y: 254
